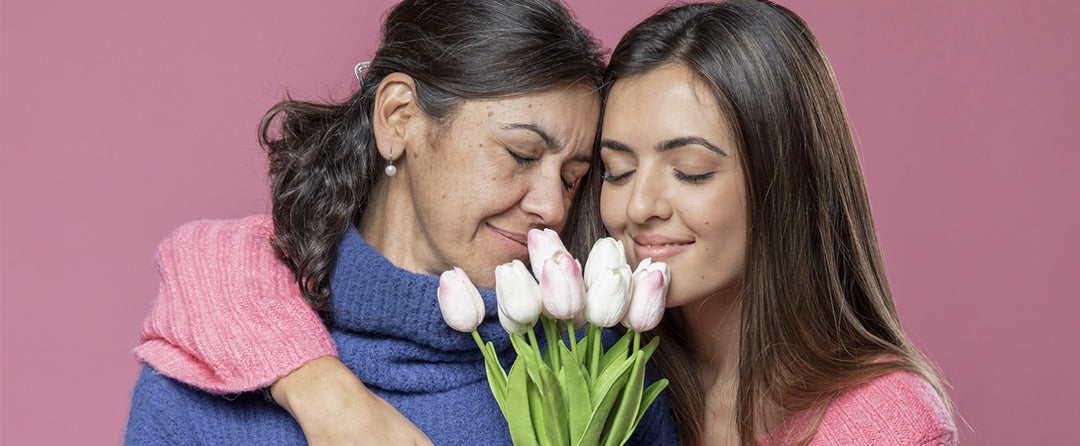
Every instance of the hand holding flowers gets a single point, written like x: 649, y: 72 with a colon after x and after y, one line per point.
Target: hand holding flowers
x: 574, y: 393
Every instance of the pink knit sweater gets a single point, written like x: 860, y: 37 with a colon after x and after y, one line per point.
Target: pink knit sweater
x: 230, y: 318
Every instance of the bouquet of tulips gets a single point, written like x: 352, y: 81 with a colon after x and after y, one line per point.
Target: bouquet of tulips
x: 572, y: 393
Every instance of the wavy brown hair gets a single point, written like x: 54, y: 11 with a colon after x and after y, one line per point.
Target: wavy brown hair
x: 817, y: 315
x: 323, y: 160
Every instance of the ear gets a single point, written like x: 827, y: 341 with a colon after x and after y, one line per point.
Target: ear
x: 395, y: 107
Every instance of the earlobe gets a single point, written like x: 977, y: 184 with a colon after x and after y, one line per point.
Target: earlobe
x: 395, y: 106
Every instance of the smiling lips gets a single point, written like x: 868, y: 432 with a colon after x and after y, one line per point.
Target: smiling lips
x: 515, y: 241
x: 658, y: 247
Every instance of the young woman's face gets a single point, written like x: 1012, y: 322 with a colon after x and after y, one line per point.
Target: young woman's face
x: 496, y: 169
x: 673, y: 182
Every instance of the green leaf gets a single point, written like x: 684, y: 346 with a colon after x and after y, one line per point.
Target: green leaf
x: 525, y: 352
x: 554, y: 408
x: 604, y: 382
x: 536, y: 410
x: 650, y: 348
x: 517, y: 407
x: 496, y: 376
x: 626, y: 412
x: 605, y: 391
x: 647, y: 398
x: 578, y: 405
x: 616, y: 352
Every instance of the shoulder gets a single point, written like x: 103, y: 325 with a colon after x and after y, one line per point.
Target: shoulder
x: 896, y: 408
x: 204, y: 232
x: 218, y: 248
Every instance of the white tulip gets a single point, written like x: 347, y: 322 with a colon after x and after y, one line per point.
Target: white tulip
x: 518, y: 296
x: 609, y: 296
x: 605, y: 255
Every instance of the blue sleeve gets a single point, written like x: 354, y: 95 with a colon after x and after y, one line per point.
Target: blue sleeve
x: 168, y: 412
x: 148, y: 422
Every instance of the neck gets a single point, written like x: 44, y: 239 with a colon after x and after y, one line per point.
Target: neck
x: 389, y: 225
x: 714, y: 326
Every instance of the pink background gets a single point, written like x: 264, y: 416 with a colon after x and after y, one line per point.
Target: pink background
x: 120, y: 120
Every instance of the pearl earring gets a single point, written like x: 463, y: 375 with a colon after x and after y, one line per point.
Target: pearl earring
x: 390, y: 170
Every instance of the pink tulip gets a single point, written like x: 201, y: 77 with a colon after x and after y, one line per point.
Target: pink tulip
x: 647, y: 296
x: 544, y: 245
x: 460, y: 302
x: 562, y: 287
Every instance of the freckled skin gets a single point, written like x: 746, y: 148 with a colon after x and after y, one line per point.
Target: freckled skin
x: 461, y: 181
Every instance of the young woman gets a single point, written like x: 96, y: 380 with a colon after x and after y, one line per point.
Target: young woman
x: 492, y: 103
x: 727, y: 154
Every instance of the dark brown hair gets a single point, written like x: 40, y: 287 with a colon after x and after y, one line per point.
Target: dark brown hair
x: 323, y: 160
x: 817, y: 315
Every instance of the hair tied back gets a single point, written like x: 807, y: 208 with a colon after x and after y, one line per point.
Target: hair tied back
x: 359, y: 70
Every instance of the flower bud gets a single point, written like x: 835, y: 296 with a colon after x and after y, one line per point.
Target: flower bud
x: 518, y: 295
x: 609, y: 296
x: 460, y: 302
x: 606, y: 254
x: 562, y: 287
x: 647, y: 296
x: 543, y: 246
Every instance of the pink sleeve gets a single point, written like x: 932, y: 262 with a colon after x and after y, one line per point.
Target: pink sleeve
x: 228, y: 317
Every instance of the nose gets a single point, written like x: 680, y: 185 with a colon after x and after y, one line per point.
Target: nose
x: 647, y: 198
x: 547, y: 201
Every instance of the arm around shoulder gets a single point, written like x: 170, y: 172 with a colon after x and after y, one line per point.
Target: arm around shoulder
x: 228, y: 317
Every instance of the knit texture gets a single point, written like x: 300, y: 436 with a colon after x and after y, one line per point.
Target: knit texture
x: 228, y: 317
x: 899, y: 408
x: 390, y: 333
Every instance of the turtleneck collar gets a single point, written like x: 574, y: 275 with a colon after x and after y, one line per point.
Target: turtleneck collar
x: 389, y: 316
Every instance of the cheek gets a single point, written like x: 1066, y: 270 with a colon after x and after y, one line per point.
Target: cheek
x: 612, y: 213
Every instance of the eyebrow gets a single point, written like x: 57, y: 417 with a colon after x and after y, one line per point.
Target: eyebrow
x: 687, y: 141
x: 665, y: 145
x: 553, y: 145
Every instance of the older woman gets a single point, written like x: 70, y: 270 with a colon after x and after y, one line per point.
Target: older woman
x: 474, y: 123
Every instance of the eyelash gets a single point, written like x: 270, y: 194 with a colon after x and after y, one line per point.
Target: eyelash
x: 693, y: 178
x: 525, y: 162
x: 608, y: 178
x: 521, y: 160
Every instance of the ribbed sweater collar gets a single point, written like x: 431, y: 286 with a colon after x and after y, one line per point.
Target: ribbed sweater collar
x: 372, y: 296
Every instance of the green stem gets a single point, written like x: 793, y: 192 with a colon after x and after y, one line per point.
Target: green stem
x: 535, y: 343
x: 551, y: 330
x: 597, y: 347
x: 637, y: 343
x: 479, y: 342
x: 573, y: 335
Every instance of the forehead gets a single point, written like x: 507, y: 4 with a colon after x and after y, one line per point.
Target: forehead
x: 569, y: 114
x: 667, y: 102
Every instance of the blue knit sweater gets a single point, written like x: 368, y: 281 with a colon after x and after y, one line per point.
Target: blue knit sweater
x: 389, y: 331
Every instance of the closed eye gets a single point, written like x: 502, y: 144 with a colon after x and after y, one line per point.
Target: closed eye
x: 693, y: 178
x: 521, y: 160
x: 609, y: 178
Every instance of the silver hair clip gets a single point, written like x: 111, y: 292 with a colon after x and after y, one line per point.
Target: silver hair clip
x: 359, y: 70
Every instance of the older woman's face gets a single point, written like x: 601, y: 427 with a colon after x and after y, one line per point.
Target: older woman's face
x: 673, y: 183
x: 477, y: 183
